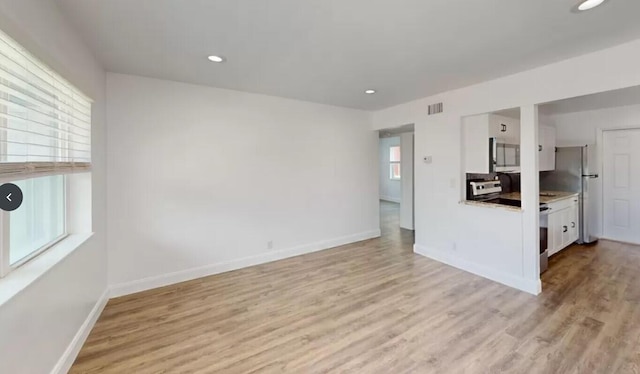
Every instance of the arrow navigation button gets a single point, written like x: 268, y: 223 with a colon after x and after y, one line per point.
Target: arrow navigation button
x: 12, y: 197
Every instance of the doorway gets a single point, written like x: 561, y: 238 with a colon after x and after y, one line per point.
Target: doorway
x: 396, y: 160
x: 621, y: 185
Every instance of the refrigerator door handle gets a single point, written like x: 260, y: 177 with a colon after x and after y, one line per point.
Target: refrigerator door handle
x: 591, y: 176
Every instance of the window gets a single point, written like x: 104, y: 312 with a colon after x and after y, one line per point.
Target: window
x: 40, y: 220
x: 45, y: 133
x: 394, y: 162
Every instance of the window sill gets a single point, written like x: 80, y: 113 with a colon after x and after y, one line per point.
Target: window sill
x: 21, y: 278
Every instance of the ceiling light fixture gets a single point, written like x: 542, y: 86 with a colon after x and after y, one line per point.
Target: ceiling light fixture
x: 214, y: 58
x: 589, y: 4
x: 370, y: 92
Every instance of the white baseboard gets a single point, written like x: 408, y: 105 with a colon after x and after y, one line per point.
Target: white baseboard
x: 391, y: 199
x: 617, y: 241
x: 203, y: 271
x: 69, y: 356
x: 520, y: 283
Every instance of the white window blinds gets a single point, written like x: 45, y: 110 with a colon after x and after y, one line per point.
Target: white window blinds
x: 45, y: 122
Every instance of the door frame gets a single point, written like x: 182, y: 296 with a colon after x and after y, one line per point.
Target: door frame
x: 600, y: 168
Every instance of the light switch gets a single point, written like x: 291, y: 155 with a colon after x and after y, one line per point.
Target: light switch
x: 427, y: 159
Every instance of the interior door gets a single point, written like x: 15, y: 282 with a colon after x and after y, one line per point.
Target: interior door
x: 621, y: 185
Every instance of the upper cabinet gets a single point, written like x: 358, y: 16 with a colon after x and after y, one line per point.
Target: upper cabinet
x: 476, y: 132
x: 504, y: 128
x: 547, y: 148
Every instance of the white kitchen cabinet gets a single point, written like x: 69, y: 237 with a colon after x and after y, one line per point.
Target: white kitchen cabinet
x: 573, y: 232
x: 505, y: 128
x: 563, y: 224
x: 547, y: 148
x: 476, y: 131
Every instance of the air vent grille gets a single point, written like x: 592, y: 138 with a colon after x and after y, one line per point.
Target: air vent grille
x: 435, y: 108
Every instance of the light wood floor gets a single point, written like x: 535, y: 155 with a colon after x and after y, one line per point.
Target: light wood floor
x: 375, y: 307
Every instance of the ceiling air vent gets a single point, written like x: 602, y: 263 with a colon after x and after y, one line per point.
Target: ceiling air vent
x: 435, y: 108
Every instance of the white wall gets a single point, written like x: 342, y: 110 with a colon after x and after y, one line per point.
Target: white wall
x: 37, y: 325
x: 580, y: 128
x: 406, y: 204
x: 485, y: 241
x: 201, y: 179
x: 390, y: 190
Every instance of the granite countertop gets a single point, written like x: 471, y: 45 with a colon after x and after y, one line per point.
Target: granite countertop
x: 546, y: 197
x: 491, y: 205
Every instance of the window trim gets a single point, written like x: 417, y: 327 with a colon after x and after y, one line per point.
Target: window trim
x: 36, y: 253
x: 6, y: 267
x: 5, y: 260
x: 20, y: 279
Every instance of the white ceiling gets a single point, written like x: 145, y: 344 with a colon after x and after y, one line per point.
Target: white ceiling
x: 329, y: 51
x: 602, y: 100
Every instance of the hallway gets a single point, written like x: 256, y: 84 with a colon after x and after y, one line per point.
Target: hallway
x: 390, y: 227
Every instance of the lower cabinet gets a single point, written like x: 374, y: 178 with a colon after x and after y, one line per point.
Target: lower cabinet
x: 564, y: 224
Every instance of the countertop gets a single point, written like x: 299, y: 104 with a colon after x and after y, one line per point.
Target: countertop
x: 546, y: 197
x: 491, y: 205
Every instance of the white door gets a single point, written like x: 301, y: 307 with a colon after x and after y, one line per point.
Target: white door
x: 621, y: 185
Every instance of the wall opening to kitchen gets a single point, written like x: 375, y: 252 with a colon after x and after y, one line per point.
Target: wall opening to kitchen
x: 500, y: 174
x: 597, y: 156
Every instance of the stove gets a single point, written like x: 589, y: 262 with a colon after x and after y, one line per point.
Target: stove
x: 484, y: 190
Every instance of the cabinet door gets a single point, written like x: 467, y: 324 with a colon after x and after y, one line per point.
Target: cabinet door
x: 570, y: 225
x: 574, y: 223
x: 547, y: 148
x: 555, y: 232
x: 505, y: 128
x: 565, y: 227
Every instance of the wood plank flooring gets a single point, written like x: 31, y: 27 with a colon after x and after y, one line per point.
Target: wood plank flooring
x: 375, y: 307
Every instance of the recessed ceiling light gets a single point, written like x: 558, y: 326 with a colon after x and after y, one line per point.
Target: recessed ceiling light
x: 370, y: 92
x: 214, y: 58
x: 589, y: 4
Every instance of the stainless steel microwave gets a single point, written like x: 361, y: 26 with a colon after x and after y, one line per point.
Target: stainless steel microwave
x: 503, y: 156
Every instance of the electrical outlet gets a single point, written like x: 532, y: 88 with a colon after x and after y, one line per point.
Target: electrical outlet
x: 427, y: 159
x: 270, y: 244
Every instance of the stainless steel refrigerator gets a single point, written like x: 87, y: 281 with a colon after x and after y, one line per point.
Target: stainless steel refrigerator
x: 573, y: 174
